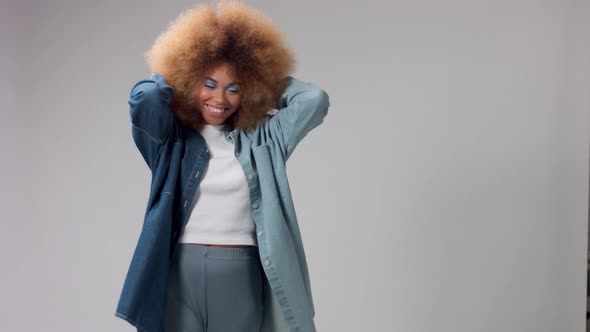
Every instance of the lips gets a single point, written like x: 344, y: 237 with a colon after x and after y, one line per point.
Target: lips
x: 215, y: 109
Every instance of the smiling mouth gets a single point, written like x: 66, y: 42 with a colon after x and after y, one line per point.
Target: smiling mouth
x: 216, y: 110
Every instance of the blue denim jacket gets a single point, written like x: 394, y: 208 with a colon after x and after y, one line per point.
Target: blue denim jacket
x: 177, y: 157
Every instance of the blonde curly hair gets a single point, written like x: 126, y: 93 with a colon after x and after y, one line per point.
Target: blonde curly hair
x: 205, y: 36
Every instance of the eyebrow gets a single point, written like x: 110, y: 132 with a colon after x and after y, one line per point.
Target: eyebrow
x: 232, y: 83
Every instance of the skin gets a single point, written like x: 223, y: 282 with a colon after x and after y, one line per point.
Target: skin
x: 220, y: 87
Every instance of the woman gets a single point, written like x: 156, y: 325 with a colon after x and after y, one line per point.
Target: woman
x: 220, y: 247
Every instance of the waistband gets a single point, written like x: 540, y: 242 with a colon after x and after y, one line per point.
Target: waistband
x: 220, y: 252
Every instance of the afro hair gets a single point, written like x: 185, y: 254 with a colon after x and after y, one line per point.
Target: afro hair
x: 202, y: 37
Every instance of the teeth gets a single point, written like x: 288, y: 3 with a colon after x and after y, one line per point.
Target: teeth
x: 215, y: 109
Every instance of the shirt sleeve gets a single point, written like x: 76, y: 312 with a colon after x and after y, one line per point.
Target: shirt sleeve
x: 302, y: 107
x: 151, y: 117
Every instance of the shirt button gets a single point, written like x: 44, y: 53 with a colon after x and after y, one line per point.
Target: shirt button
x: 255, y: 205
x: 267, y: 262
x: 250, y: 176
x: 237, y: 154
x: 259, y: 233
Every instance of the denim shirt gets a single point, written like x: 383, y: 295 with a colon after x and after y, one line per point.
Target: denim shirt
x: 177, y: 157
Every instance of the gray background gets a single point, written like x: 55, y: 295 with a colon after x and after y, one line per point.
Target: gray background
x: 447, y: 189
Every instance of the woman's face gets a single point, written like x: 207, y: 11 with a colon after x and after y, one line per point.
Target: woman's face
x: 218, y: 94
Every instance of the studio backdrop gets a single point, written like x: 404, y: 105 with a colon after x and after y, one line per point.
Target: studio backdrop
x: 446, y: 190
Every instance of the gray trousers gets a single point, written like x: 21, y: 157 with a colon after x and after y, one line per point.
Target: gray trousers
x: 214, y: 289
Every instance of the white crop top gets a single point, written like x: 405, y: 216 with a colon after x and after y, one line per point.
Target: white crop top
x: 220, y: 212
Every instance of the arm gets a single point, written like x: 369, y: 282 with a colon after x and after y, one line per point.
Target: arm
x: 151, y: 117
x: 302, y: 107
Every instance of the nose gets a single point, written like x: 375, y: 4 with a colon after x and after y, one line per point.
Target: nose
x: 219, y: 97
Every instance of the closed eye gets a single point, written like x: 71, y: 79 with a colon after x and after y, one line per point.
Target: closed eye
x: 213, y: 86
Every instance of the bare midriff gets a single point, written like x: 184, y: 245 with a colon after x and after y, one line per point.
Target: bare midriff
x: 224, y: 245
